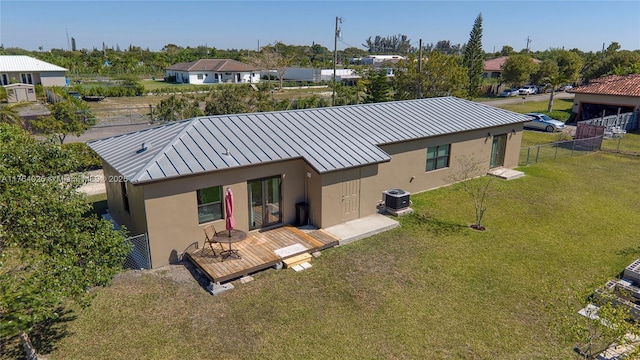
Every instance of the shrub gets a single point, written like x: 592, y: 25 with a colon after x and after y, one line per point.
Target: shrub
x: 86, y: 158
x: 559, y: 114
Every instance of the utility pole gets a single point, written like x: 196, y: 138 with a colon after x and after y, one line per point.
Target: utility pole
x: 335, y: 59
x: 420, y: 71
x: 528, y: 42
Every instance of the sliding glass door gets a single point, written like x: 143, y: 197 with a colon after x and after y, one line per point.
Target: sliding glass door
x: 264, y: 202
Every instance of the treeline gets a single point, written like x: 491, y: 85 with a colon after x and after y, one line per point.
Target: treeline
x: 134, y: 60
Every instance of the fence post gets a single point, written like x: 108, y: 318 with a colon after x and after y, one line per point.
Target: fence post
x: 528, y: 155
x: 537, y: 154
x: 618, y: 148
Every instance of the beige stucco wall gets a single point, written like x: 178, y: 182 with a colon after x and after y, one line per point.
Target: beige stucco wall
x: 604, y: 99
x: 172, y: 208
x: 406, y: 170
x: 167, y: 210
x: 314, y: 195
x: 134, y: 220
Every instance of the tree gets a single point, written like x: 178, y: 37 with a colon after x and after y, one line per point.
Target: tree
x: 68, y: 116
x: 377, y: 87
x: 506, y: 50
x: 517, y: 69
x: 172, y: 108
x: 270, y: 59
x: 552, y: 83
x: 396, y: 44
x: 480, y: 189
x: 52, y: 249
x: 441, y: 76
x: 569, y: 65
x: 595, y: 322
x: 231, y: 99
x: 473, y: 58
x: 9, y: 115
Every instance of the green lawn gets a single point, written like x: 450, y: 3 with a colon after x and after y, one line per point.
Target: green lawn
x: 430, y: 289
x: 539, y: 106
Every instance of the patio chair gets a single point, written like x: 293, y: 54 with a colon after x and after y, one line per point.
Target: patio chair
x: 210, y: 234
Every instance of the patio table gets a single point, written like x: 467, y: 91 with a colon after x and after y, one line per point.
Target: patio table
x: 230, y: 237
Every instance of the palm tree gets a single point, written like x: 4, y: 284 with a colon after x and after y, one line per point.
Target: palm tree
x: 553, y: 81
x: 9, y: 114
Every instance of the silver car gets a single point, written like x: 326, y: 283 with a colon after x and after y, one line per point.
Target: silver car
x: 543, y: 122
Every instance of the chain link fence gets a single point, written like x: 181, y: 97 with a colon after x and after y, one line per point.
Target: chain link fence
x: 552, y: 151
x: 140, y: 256
x: 122, y: 116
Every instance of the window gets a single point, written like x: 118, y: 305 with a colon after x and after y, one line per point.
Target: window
x: 4, y: 80
x: 125, y: 195
x: 438, y: 157
x: 26, y: 78
x: 209, y: 204
x: 200, y: 76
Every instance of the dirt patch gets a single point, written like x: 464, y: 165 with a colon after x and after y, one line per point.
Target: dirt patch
x: 183, y: 273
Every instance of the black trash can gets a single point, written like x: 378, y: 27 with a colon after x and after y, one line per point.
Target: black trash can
x: 302, y: 213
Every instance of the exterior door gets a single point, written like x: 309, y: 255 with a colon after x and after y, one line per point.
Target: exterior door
x: 350, y: 194
x: 498, y: 149
x: 264, y: 202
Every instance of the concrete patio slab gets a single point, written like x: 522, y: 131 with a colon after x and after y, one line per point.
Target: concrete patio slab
x: 354, y: 230
x: 507, y: 174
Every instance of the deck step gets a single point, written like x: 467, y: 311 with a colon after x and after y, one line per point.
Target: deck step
x: 297, y: 260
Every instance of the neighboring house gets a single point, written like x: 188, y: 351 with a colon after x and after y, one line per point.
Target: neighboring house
x: 20, y: 92
x: 212, y: 71
x: 611, y: 95
x: 169, y: 181
x: 27, y: 70
x: 493, y: 67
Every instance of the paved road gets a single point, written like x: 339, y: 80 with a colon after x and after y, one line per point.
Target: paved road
x: 519, y: 99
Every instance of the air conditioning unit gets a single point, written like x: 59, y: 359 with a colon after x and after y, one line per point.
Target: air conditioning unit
x: 396, y: 199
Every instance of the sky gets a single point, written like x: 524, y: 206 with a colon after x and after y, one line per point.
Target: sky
x: 585, y: 25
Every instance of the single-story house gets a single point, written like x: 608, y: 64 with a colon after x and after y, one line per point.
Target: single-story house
x: 212, y: 71
x: 27, y: 70
x: 169, y: 181
x: 610, y: 95
x: 493, y: 67
x: 20, y: 92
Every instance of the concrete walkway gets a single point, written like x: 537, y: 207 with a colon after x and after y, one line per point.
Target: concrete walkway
x: 353, y: 230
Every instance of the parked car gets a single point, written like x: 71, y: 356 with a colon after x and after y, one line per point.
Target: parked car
x: 509, y: 92
x: 543, y: 122
x: 528, y: 90
x: 565, y: 87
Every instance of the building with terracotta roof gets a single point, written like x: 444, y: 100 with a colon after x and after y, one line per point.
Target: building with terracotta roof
x: 493, y: 67
x: 610, y: 95
x: 212, y: 71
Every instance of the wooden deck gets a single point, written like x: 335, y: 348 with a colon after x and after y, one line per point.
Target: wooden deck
x: 257, y: 252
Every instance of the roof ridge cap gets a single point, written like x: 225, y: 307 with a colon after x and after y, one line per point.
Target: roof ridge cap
x: 143, y: 169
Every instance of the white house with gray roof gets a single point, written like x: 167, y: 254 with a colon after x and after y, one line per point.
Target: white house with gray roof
x: 168, y: 181
x: 23, y: 69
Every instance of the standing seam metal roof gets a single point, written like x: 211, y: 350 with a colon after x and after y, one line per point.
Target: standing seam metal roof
x: 328, y: 139
x: 18, y: 63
